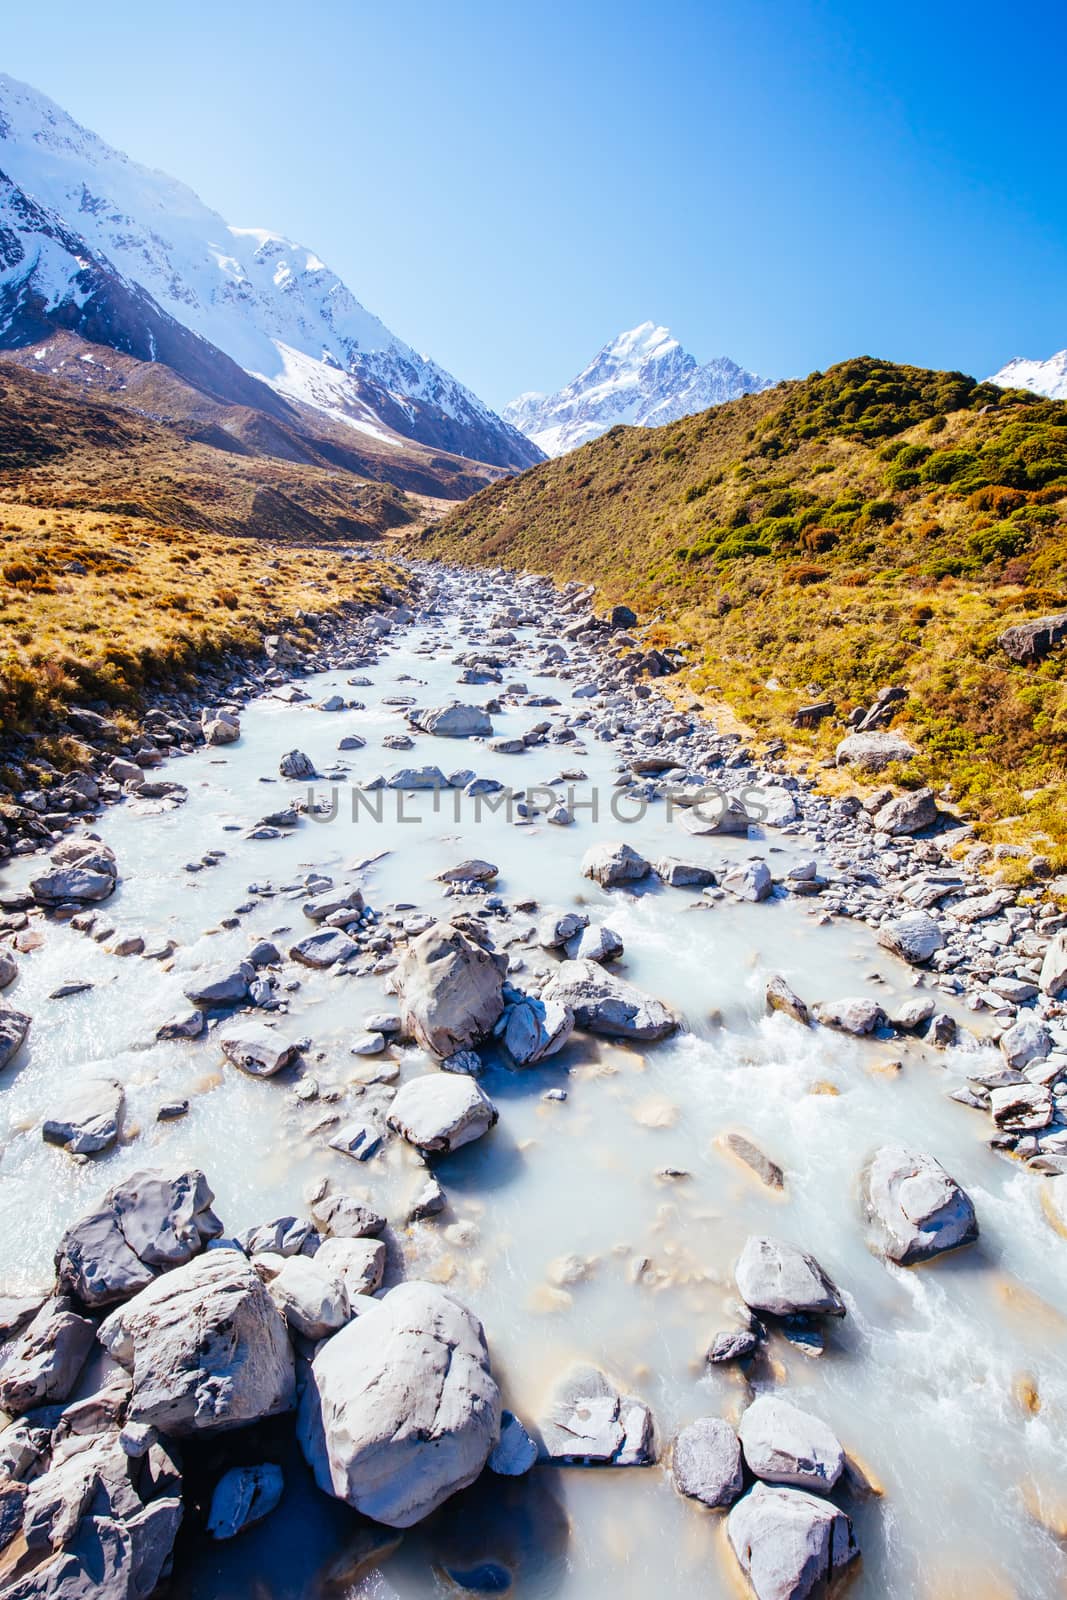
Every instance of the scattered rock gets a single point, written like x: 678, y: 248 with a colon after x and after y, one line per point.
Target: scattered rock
x: 915, y: 1209
x: 611, y: 864
x: 781, y: 1280
x: 440, y: 1112
x: 789, y: 1543
x: 605, y: 1004
x: 89, y: 1121
x: 257, y: 1049
x: 706, y: 1462
x: 783, y: 1444
x: 451, y: 989
x: 590, y: 1423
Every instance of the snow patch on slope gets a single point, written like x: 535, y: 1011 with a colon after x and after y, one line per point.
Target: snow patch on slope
x: 1043, y: 377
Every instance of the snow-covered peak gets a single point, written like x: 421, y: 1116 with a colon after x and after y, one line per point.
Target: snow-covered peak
x: 269, y: 303
x: 643, y: 377
x: 1043, y: 377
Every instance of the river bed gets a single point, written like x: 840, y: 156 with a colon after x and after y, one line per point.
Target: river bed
x: 947, y: 1383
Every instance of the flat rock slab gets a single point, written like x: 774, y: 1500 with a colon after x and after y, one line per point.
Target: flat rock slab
x: 590, y: 1423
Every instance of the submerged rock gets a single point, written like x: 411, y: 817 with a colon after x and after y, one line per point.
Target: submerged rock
x: 782, y: 1280
x: 242, y: 1496
x: 206, y: 1347
x: 789, y: 1543
x: 401, y: 1408
x: 516, y: 1452
x: 89, y: 1120
x: 915, y: 1209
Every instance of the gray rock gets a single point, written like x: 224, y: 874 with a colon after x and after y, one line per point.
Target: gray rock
x: 183, y: 1025
x: 598, y: 944
x: 451, y: 990
x: 470, y: 871
x: 285, y: 1236
x: 1027, y: 642
x: 295, y: 764
x: 516, y: 1452
x: 857, y: 1016
x: 429, y: 1201
x: 789, y: 1543
x: 440, y: 1112
x: 324, y: 949
x: 312, y: 1298
x: 84, y: 870
x: 206, y: 1347
x: 89, y: 1120
x: 534, y: 1029
x: 781, y: 1280
x: 9, y: 968
x: 783, y: 1444
x: 144, y: 1226
x: 256, y: 1049
x: 401, y: 1409
x: 682, y: 874
x: 915, y: 1209
x: 611, y: 864
x: 359, y: 1263
x: 780, y: 997
x: 242, y: 1496
x: 553, y: 932
x: 1027, y: 1040
x: 605, y: 1004
x: 914, y: 937
x: 910, y: 1015
x: 1053, y: 979
x: 719, y: 814
x: 873, y: 752
x: 345, y: 1217
x: 750, y: 880
x: 224, y: 984
x: 222, y: 729
x: 453, y: 722
x: 413, y: 778
x: 44, y: 1362
x: 14, y: 1026
x: 908, y: 813
x: 591, y: 1423
x: 706, y: 1462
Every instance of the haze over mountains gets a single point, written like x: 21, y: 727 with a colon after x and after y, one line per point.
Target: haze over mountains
x: 643, y: 377
x: 96, y: 244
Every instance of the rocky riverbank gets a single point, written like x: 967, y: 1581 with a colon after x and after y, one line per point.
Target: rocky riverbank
x: 161, y: 1328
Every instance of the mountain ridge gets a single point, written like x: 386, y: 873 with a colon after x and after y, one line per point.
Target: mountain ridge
x: 93, y: 242
x: 1047, y: 377
x: 643, y: 377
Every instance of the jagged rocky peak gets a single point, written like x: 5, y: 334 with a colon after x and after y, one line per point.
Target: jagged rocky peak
x: 1043, y: 377
x: 96, y: 243
x: 644, y: 377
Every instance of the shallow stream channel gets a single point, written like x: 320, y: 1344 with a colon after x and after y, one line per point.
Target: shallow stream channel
x: 600, y: 1220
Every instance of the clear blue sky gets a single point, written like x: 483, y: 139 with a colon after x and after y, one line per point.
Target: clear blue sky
x: 509, y: 185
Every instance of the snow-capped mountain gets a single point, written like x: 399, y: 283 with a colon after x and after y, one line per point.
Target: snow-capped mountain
x: 1043, y: 377
x: 92, y: 241
x: 643, y: 377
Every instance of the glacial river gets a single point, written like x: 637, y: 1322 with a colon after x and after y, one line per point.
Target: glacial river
x: 947, y: 1383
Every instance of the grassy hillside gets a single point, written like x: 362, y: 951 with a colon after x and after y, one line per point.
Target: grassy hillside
x: 129, y: 553
x: 870, y: 525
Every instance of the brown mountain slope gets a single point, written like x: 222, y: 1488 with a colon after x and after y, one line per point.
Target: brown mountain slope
x: 870, y: 525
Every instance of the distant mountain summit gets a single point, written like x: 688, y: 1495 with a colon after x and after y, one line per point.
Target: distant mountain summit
x: 97, y: 245
x: 1043, y: 377
x: 643, y: 377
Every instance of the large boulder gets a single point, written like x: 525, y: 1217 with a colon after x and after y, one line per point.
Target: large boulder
x: 611, y: 864
x: 908, y: 813
x: 83, y: 871
x: 873, y: 752
x: 915, y: 937
x: 706, y: 1462
x: 914, y: 1208
x: 451, y: 989
x: 789, y: 1543
x: 14, y: 1026
x: 783, y: 1444
x: 401, y: 1408
x: 605, y: 1004
x: 1027, y: 642
x: 206, y: 1346
x: 453, y: 722
x: 44, y: 1362
x: 146, y: 1225
x: 781, y: 1280
x: 589, y: 1421
x: 441, y: 1111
